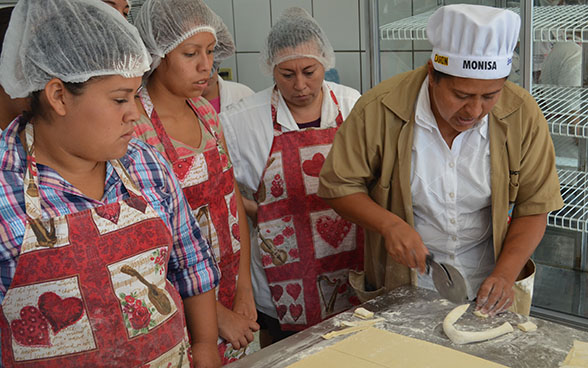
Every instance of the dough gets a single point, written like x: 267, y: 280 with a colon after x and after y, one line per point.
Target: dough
x: 375, y: 348
x: 466, y: 337
x: 527, y: 326
x: 577, y: 357
x: 363, y: 313
x: 352, y: 327
x: 360, y: 323
x: 480, y: 314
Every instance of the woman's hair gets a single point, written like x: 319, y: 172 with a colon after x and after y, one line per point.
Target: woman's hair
x: 37, y: 108
x: 4, y: 20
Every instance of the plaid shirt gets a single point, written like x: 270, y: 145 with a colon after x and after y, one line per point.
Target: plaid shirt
x: 192, y: 268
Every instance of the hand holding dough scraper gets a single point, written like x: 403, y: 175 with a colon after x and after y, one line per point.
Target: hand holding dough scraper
x: 448, y: 281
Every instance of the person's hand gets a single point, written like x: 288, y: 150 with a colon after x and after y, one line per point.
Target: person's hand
x: 205, y: 355
x: 495, y: 295
x: 244, y: 303
x: 235, y: 328
x: 405, y: 246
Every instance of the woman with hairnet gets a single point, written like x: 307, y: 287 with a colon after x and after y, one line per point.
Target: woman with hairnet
x: 122, y: 6
x: 94, y: 230
x: 9, y: 107
x: 278, y: 140
x: 183, y: 126
x: 218, y: 92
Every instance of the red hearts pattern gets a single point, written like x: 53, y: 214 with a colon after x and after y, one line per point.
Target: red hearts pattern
x: 137, y: 203
x: 32, y: 329
x: 277, y: 291
x: 111, y: 212
x: 294, y: 290
x: 182, y: 167
x: 313, y: 167
x: 236, y: 232
x: 333, y: 231
x: 295, y: 311
x: 60, y: 313
x: 281, y: 309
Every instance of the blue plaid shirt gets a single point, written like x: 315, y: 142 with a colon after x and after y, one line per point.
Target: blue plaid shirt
x: 192, y: 268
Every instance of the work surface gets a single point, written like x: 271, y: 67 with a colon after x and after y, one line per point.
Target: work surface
x: 419, y: 313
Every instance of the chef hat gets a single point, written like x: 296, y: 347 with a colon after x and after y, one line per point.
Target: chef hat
x: 473, y: 41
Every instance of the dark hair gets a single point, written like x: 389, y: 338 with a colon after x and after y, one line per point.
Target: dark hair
x: 36, y: 108
x: 4, y: 20
x: 437, y: 75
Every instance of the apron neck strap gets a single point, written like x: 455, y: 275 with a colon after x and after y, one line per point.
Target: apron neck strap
x: 275, y: 102
x: 31, y: 177
x: 165, y: 140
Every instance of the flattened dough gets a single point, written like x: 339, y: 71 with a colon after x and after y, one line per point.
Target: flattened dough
x: 577, y: 357
x: 375, y: 348
x: 466, y: 337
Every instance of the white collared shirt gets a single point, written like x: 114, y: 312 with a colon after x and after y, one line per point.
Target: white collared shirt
x: 249, y: 131
x: 451, y: 196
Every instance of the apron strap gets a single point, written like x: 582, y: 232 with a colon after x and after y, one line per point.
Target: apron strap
x: 31, y: 177
x: 162, y: 135
x: 275, y: 101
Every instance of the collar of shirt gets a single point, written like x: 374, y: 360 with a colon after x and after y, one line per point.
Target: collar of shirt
x: 13, y: 159
x: 424, y: 114
x: 329, y: 111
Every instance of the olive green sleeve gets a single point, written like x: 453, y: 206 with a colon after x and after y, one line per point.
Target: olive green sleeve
x: 353, y: 160
x: 539, y: 190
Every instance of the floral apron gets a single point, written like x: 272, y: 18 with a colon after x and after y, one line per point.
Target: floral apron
x: 307, y: 249
x: 90, y: 288
x: 208, y: 184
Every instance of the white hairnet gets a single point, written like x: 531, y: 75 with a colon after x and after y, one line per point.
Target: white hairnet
x: 164, y: 24
x: 296, y: 35
x: 225, y: 46
x: 73, y: 40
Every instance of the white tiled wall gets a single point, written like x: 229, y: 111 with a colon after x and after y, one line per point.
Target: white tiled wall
x: 344, y: 24
x: 251, y: 20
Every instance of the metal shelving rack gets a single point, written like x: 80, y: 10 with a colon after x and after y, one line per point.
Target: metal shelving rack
x: 566, y: 110
x: 550, y: 24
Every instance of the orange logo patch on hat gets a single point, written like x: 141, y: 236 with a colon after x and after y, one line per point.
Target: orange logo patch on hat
x: 443, y: 60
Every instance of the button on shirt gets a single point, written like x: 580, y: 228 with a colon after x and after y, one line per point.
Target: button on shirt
x: 191, y: 268
x: 451, y: 196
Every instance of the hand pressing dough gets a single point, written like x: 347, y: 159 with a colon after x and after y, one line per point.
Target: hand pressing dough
x: 466, y: 337
x: 527, y: 326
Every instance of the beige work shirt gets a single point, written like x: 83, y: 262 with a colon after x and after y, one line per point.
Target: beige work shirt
x: 371, y: 154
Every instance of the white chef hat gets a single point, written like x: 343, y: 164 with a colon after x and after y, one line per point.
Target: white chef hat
x: 473, y: 41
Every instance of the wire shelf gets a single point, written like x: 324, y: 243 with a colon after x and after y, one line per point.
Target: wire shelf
x: 565, y: 108
x: 550, y: 24
x: 574, y: 190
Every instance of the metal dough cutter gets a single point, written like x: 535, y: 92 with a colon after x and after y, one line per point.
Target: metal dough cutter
x: 448, y: 281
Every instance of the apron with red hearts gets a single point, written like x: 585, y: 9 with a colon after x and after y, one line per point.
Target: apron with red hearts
x: 208, y: 184
x: 90, y: 288
x: 307, y: 249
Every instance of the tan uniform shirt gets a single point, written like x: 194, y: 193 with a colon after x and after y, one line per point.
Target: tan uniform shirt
x: 372, y: 154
